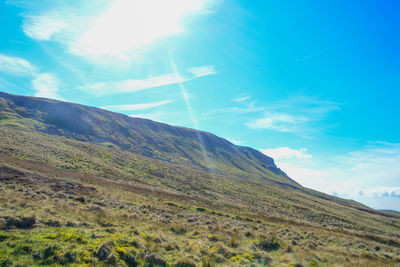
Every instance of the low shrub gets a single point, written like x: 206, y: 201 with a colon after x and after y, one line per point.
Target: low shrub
x: 21, y: 222
x: 269, y: 245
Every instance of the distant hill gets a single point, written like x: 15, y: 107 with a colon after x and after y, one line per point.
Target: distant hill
x: 393, y: 213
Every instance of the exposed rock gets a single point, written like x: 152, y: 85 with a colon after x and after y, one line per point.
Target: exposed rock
x: 111, y: 259
x: 154, y: 260
x: 130, y: 260
x: 105, y: 250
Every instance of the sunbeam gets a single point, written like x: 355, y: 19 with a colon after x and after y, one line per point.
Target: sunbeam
x: 185, y: 96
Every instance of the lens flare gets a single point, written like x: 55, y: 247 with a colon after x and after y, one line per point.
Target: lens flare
x: 185, y: 97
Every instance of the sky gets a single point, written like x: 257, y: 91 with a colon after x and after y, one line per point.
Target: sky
x: 313, y: 84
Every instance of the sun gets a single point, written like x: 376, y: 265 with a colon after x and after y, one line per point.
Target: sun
x: 127, y: 25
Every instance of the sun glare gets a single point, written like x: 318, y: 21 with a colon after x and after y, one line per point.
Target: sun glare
x: 128, y: 25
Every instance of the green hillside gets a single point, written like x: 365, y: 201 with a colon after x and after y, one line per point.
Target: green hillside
x: 84, y: 186
x: 141, y: 136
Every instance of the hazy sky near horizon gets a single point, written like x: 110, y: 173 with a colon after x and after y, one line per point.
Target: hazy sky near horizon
x: 313, y: 84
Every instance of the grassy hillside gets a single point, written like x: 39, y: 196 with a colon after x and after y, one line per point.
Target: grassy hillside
x: 98, y: 196
x: 144, y: 137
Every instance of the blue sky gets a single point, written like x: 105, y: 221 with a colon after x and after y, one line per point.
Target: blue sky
x: 314, y: 84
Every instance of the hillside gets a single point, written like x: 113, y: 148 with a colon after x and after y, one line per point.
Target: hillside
x: 81, y: 185
x: 141, y: 136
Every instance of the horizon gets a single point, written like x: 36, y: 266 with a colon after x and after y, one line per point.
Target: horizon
x: 299, y: 90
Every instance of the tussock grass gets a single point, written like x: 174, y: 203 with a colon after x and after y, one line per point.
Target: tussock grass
x: 94, y: 204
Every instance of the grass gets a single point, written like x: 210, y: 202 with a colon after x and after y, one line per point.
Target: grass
x: 71, y: 200
x: 138, y: 225
x: 220, y: 194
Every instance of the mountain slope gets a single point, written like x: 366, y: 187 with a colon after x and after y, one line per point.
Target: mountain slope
x: 76, y: 181
x: 145, y: 137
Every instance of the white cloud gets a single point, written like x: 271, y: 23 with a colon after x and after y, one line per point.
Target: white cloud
x: 366, y: 174
x: 202, y: 71
x: 16, y: 66
x: 241, y: 99
x: 19, y: 3
x: 279, y: 122
x: 128, y: 25
x: 46, y: 85
x: 294, y: 115
x: 376, y: 161
x: 138, y: 106
x: 309, y: 105
x: 43, y: 27
x: 234, y: 141
x: 380, y: 191
x: 286, y: 153
x: 112, y: 28
x: 245, y: 108
x: 155, y: 116
x: 248, y: 108
x: 132, y: 85
x: 316, y: 177
x: 288, y: 115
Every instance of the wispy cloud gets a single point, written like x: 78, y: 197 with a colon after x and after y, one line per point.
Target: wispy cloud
x: 112, y: 28
x: 16, y: 66
x: 138, y: 106
x: 46, y: 85
x: 279, y: 122
x: 202, y: 71
x: 241, y: 99
x: 133, y: 85
x: 119, y: 29
x: 306, y: 105
x: 318, y: 53
x: 367, y: 173
x: 294, y: 115
x: 246, y: 108
x: 155, y: 116
x: 235, y: 141
x: 43, y: 27
x: 286, y: 153
x: 376, y: 161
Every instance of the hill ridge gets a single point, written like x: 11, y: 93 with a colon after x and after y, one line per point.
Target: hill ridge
x: 89, y: 123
